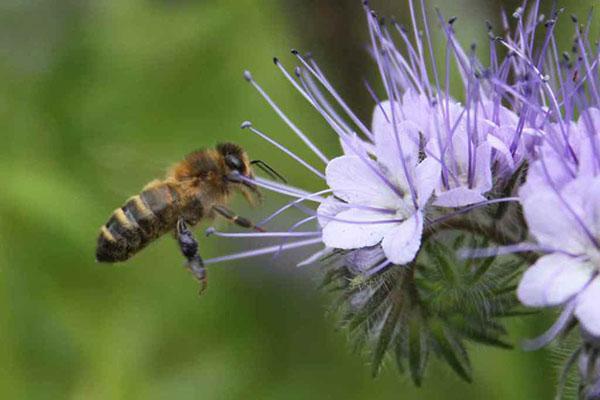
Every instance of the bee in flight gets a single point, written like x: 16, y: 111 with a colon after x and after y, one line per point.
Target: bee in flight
x: 195, y: 189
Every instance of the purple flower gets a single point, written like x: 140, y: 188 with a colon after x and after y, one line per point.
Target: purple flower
x: 424, y: 159
x: 561, y: 203
x: 382, y: 199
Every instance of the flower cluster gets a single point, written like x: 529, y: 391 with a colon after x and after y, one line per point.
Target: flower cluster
x: 430, y: 172
x: 561, y: 204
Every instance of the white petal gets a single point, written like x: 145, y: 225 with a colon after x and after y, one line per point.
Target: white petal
x: 483, y: 168
x: 329, y: 209
x: 592, y: 208
x: 382, y: 117
x: 502, y: 149
x: 459, y: 197
x: 353, y: 234
x: 353, y: 145
x: 402, y: 243
x: 583, y: 196
x: 587, y: 309
x: 352, y: 180
x: 394, y: 152
x: 552, y: 280
x: 416, y: 108
x: 561, y: 231
x: 428, y: 174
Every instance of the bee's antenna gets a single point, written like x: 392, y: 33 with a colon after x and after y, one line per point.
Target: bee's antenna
x: 268, y: 169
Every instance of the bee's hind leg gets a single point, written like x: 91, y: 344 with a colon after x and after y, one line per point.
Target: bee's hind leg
x: 189, y: 247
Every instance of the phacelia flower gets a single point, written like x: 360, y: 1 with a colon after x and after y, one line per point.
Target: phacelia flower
x: 430, y: 164
x: 424, y: 159
x: 380, y: 200
x: 561, y: 204
x: 561, y: 196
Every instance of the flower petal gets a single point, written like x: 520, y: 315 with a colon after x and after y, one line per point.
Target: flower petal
x: 347, y: 232
x: 553, y: 279
x: 428, y: 174
x: 459, y: 197
x: 329, y: 209
x: 562, y: 231
x: 503, y: 152
x: 587, y: 310
x: 393, y: 153
x: 483, y: 168
x: 592, y: 208
x: 352, y: 180
x: 402, y: 243
x: 353, y: 145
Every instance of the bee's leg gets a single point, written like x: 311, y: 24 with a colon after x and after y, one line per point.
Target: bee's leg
x: 236, y: 219
x: 189, y: 247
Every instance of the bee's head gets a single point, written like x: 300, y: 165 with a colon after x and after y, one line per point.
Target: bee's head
x: 235, y: 158
x: 236, y: 162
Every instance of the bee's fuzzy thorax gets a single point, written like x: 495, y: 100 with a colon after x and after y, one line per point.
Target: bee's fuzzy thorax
x: 198, y: 164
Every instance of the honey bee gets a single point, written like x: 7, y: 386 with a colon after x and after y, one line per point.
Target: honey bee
x: 195, y: 189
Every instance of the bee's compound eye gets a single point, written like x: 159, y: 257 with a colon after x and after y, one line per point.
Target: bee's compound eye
x: 234, y: 162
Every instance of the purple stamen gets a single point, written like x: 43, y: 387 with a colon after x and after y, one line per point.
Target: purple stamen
x: 280, y: 113
x: 321, y: 78
x: 291, y: 231
x: 292, y: 204
x: 212, y: 231
x: 263, y: 251
x: 560, y: 324
x: 472, y: 207
x: 378, y: 268
x: 470, y: 253
x: 248, y: 125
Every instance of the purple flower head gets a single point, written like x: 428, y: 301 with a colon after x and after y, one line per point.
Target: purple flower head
x: 424, y: 159
x: 561, y: 197
x: 380, y: 200
x: 561, y: 203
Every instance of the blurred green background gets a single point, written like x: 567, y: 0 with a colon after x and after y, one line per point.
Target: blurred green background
x: 99, y: 97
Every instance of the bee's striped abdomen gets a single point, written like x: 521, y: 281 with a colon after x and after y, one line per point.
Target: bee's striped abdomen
x: 142, y: 219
